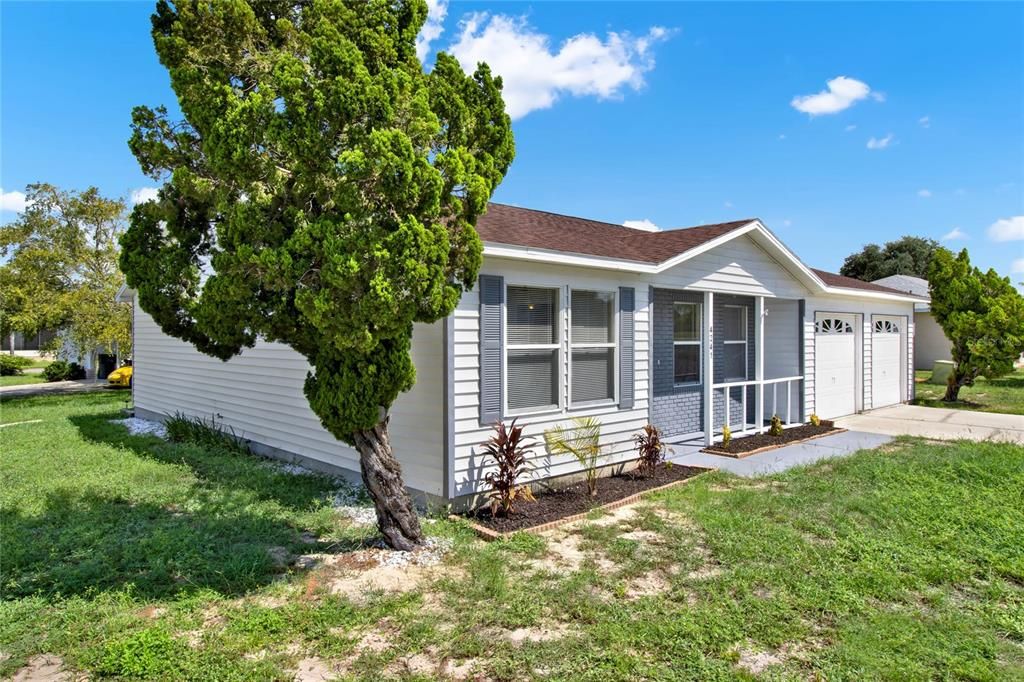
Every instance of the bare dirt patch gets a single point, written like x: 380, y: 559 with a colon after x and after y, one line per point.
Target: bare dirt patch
x: 643, y: 536
x: 757, y: 662
x: 540, y: 633
x: 360, y: 573
x: 43, y: 668
x: 648, y: 585
x: 314, y: 670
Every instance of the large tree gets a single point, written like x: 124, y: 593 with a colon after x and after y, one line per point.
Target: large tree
x: 904, y: 256
x: 982, y: 315
x: 61, y: 269
x: 322, y: 191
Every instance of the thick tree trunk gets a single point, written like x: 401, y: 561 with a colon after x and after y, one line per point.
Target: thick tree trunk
x: 382, y: 476
x: 953, y: 385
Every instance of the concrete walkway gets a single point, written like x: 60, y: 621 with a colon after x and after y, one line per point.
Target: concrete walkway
x: 938, y: 423
x: 774, y: 461
x: 52, y: 388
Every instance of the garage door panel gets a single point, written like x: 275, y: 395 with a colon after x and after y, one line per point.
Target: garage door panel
x: 887, y: 362
x: 835, y: 366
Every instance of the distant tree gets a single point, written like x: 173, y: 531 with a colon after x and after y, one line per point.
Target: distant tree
x: 905, y: 256
x: 322, y: 192
x: 61, y: 269
x: 982, y: 315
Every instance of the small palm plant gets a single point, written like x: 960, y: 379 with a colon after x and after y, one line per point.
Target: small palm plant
x: 582, y: 441
x: 510, y: 452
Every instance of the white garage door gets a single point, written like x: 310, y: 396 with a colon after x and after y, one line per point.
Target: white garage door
x: 886, y: 361
x: 835, y: 365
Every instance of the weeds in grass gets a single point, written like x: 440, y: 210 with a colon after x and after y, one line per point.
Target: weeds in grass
x: 183, y: 428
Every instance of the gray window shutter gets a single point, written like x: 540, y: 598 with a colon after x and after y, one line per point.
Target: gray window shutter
x: 492, y: 295
x: 627, y: 307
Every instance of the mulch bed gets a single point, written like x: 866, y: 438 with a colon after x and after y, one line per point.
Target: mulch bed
x: 744, y: 446
x: 556, y: 505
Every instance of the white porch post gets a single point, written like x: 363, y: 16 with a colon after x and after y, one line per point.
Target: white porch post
x: 759, y: 313
x: 709, y: 367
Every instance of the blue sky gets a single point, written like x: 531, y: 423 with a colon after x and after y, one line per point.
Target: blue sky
x: 674, y: 113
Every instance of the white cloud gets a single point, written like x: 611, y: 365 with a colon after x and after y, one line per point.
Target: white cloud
x: 850, y: 128
x: 12, y: 201
x: 880, y: 142
x: 432, y: 28
x: 645, y: 225
x: 535, y: 76
x: 728, y: 204
x: 954, y: 235
x: 1017, y: 267
x: 787, y: 222
x: 842, y: 94
x: 782, y: 136
x: 1007, y: 229
x: 924, y: 193
x: 925, y: 121
x: 143, y: 194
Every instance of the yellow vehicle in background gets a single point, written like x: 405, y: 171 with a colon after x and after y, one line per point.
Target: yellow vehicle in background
x: 121, y: 377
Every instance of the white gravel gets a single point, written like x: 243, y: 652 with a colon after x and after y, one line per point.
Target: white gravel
x: 142, y: 427
x: 430, y: 553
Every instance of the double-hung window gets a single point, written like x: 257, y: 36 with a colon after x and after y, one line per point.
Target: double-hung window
x: 592, y: 346
x: 734, y: 335
x: 532, y: 373
x: 686, y: 339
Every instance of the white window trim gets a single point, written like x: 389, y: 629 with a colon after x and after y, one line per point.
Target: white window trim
x: 699, y: 342
x: 736, y: 342
x: 614, y: 400
x: 558, y: 316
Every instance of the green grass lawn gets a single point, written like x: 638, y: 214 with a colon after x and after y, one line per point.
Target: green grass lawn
x: 22, y: 379
x: 133, y: 558
x: 1005, y: 394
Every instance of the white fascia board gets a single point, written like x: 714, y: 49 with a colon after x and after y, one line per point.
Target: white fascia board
x: 863, y: 293
x: 564, y: 258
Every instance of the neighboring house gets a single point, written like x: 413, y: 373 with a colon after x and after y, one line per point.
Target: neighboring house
x: 688, y: 329
x: 930, y: 342
x: 27, y: 345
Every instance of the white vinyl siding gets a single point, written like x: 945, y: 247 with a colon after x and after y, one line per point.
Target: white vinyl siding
x: 259, y: 395
x: 592, y: 346
x: 738, y: 267
x: 618, y: 426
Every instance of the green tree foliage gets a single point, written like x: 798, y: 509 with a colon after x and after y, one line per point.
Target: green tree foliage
x: 982, y: 315
x: 61, y: 269
x: 322, y: 192
x: 905, y: 256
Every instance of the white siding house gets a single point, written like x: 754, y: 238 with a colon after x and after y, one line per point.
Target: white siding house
x: 687, y: 329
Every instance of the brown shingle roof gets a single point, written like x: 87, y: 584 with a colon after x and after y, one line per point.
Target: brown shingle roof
x: 516, y: 226
x: 834, y: 280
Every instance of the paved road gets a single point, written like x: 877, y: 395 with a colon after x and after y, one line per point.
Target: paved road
x: 55, y: 387
x: 938, y: 423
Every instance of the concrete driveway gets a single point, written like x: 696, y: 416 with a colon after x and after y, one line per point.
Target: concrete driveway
x: 938, y: 423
